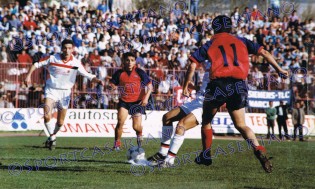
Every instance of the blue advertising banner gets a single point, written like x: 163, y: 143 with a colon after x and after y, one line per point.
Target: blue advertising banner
x: 260, y: 99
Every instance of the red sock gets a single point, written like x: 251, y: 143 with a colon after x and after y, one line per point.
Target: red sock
x: 206, y: 135
x: 139, y: 134
x: 260, y: 148
x: 117, y: 143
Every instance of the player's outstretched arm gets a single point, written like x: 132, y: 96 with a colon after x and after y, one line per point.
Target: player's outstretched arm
x: 98, y: 81
x: 273, y: 63
x: 43, y: 62
x: 27, y: 80
x: 188, y: 78
x: 91, y: 77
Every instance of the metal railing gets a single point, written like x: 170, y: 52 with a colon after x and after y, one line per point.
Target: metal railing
x: 86, y: 95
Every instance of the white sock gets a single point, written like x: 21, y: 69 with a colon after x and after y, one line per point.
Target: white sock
x: 176, y: 143
x: 167, y: 132
x: 53, y: 137
x: 50, y: 127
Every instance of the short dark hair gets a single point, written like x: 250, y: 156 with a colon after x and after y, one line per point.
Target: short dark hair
x: 66, y: 41
x: 222, y: 24
x: 125, y: 55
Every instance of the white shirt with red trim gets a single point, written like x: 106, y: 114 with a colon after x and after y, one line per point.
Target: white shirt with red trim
x: 63, y: 73
x: 205, y: 80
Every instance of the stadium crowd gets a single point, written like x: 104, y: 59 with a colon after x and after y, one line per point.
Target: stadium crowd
x: 162, y: 41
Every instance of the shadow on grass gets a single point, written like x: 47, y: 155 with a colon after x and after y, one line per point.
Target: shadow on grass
x: 102, y: 161
x: 65, y: 148
x: 39, y: 168
x: 16, y: 168
x: 251, y: 187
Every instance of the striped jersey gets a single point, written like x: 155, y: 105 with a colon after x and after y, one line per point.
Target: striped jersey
x: 131, y: 85
x: 62, y: 73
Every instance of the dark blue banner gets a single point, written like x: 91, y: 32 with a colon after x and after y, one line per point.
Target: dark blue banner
x: 260, y: 99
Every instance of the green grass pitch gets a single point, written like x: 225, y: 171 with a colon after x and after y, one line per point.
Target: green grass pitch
x: 89, y: 163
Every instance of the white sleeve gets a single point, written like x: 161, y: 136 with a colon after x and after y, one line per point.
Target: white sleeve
x: 84, y: 73
x: 42, y: 63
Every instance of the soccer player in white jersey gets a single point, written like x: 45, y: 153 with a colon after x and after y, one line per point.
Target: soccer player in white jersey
x: 189, y: 116
x: 63, y: 69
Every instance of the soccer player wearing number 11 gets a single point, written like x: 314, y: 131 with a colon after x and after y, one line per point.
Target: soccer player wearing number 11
x: 229, y: 69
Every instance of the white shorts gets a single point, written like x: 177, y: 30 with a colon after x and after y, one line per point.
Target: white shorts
x: 194, y: 107
x: 61, y: 96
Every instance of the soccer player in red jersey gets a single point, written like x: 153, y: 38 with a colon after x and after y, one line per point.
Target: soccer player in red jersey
x: 230, y: 65
x: 132, y: 83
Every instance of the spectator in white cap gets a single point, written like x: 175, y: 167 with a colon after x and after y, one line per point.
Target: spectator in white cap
x: 256, y: 14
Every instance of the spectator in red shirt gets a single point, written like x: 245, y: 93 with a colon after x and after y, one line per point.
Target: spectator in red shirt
x: 156, y: 57
x: 163, y: 61
x: 28, y: 23
x: 24, y: 59
x: 95, y: 59
x: 256, y: 15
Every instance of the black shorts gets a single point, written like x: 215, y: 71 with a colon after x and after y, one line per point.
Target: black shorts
x: 270, y: 122
x: 231, y: 91
x: 132, y: 107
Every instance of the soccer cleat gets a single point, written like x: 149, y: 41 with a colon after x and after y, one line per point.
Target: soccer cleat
x: 47, y: 143
x: 156, y: 159
x: 116, y: 145
x: 52, y: 144
x: 116, y: 148
x: 201, y: 160
x: 264, y: 160
x: 166, y: 164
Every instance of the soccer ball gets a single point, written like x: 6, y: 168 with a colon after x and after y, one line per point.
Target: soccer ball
x: 135, y: 153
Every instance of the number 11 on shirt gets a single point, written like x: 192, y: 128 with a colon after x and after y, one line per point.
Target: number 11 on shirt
x: 235, y: 62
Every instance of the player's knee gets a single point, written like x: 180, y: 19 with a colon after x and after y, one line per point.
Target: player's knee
x: 206, y: 121
x: 137, y: 129
x: 180, y: 130
x: 47, y: 118
x: 136, y: 125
